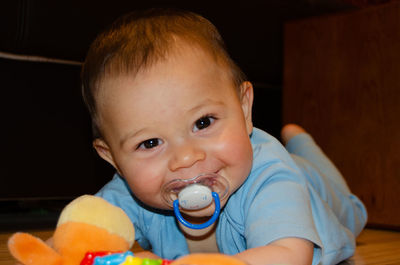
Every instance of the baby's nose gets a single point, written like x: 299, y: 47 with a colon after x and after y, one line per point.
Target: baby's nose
x: 186, y: 155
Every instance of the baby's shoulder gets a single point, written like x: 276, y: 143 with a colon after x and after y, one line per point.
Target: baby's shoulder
x: 268, y: 151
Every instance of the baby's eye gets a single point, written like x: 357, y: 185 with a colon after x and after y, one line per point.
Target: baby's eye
x: 151, y: 143
x: 203, y: 123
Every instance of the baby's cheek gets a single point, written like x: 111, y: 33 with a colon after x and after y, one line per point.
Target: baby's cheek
x: 148, y: 192
x: 144, y: 179
x: 237, y: 150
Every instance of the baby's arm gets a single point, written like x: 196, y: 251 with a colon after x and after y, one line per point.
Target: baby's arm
x: 291, y: 251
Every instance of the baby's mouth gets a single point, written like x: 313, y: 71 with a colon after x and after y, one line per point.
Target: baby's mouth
x: 195, y: 193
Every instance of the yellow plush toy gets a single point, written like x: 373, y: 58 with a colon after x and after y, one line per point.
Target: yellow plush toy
x: 91, y: 224
x: 88, y: 223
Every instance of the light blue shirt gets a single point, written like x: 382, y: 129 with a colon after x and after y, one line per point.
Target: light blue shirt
x: 284, y: 196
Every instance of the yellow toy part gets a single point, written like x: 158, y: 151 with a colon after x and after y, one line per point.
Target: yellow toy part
x: 88, y: 223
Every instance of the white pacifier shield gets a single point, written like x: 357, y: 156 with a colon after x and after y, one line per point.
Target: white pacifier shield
x: 194, y: 197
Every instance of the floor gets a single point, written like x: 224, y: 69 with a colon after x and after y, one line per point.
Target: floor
x: 374, y: 247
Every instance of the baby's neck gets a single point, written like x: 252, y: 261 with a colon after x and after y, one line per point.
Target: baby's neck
x: 201, y: 240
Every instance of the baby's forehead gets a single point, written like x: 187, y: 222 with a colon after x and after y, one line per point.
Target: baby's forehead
x: 200, y: 67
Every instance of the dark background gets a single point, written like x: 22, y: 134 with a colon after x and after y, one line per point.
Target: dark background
x: 47, y: 158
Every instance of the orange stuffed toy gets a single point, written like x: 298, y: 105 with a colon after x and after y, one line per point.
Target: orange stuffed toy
x: 85, y: 226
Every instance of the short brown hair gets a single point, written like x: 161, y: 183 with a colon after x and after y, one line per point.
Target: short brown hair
x: 140, y: 39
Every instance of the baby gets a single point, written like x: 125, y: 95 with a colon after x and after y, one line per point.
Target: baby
x: 170, y: 111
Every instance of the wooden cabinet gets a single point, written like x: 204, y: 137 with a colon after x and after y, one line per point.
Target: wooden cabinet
x: 342, y: 83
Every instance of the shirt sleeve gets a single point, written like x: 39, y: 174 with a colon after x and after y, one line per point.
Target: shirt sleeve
x: 281, y: 209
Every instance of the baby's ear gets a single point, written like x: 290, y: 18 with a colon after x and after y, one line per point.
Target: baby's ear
x: 246, y: 99
x: 104, y: 151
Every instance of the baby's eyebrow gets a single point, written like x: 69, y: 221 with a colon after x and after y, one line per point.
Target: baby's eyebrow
x: 128, y: 136
x: 204, y: 103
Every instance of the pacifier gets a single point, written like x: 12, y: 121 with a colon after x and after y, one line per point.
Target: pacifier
x: 195, y: 194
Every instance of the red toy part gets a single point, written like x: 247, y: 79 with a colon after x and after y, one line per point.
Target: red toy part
x: 89, y: 256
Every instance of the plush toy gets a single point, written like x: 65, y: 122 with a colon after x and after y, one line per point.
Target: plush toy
x: 88, y: 227
x: 88, y: 223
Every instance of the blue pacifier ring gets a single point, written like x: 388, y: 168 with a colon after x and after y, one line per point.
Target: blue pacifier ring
x: 213, y: 218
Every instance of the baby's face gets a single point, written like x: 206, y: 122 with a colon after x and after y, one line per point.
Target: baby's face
x: 176, y: 120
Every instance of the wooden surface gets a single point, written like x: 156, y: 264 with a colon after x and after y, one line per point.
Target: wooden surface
x: 374, y: 247
x: 342, y: 83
